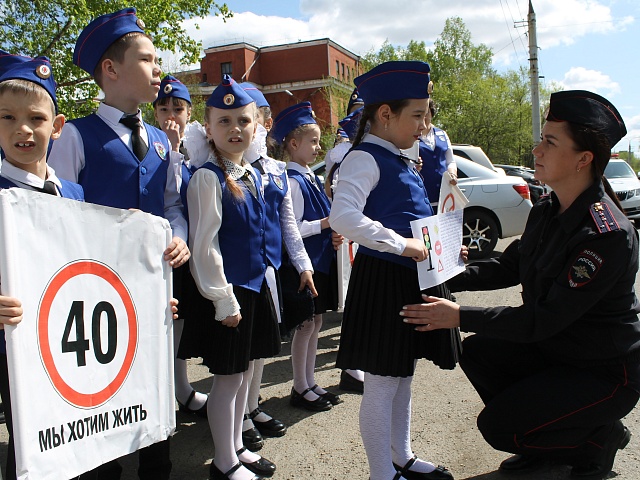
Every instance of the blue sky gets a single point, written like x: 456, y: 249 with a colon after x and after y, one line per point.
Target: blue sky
x: 583, y: 44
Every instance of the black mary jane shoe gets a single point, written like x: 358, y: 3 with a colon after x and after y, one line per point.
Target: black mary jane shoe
x: 216, y: 474
x: 320, y: 404
x: 252, y: 439
x: 201, y: 412
x: 270, y: 428
x: 332, y: 397
x: 602, y: 463
x: 440, y: 473
x: 262, y: 466
x: 523, y: 464
x: 350, y: 384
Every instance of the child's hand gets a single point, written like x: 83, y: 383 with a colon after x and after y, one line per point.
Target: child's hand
x: 324, y: 223
x: 454, y: 179
x: 172, y: 129
x: 415, y: 249
x: 232, y: 320
x: 10, y: 310
x: 177, y: 253
x: 306, y: 280
x: 173, y: 303
x: 464, y: 253
x: 336, y: 240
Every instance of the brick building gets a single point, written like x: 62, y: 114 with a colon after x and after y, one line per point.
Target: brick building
x: 318, y: 71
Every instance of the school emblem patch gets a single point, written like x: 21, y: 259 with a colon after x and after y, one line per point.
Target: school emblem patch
x: 278, y: 181
x: 160, y: 150
x: 168, y: 88
x: 584, y: 268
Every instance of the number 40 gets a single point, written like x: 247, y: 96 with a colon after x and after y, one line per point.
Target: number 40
x: 81, y: 344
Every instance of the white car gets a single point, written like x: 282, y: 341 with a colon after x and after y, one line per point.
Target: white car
x: 625, y: 183
x: 498, y: 205
x: 475, y: 154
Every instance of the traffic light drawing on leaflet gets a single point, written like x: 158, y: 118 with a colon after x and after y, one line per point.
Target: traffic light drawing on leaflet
x: 427, y: 243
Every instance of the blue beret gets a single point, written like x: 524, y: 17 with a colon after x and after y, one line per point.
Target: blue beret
x: 255, y: 93
x: 395, y: 81
x: 351, y: 122
x: 228, y: 95
x: 100, y: 34
x: 354, y: 99
x: 587, y: 109
x: 36, y: 70
x: 291, y: 118
x: 172, y: 87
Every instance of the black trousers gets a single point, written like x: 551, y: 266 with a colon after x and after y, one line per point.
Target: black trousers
x: 538, y: 406
x: 10, y: 466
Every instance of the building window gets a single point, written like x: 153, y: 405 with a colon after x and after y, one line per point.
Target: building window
x: 204, y: 78
x: 343, y: 72
x: 348, y: 74
x: 225, y: 69
x: 337, y: 69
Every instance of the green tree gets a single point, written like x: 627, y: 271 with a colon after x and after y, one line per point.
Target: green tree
x: 51, y: 27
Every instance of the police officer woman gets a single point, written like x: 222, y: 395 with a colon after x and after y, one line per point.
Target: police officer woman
x: 558, y: 373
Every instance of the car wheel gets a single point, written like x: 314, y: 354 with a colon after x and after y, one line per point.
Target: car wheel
x: 479, y: 233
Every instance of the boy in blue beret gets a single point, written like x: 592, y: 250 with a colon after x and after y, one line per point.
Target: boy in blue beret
x: 29, y: 119
x: 120, y: 160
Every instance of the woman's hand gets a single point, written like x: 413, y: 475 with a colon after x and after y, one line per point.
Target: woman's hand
x: 464, y: 253
x: 306, y: 280
x: 173, y: 303
x: 232, y: 320
x: 415, y: 249
x: 435, y: 313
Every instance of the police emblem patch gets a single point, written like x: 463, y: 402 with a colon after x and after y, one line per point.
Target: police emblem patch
x: 160, y: 150
x: 278, y: 181
x: 228, y: 99
x: 168, y: 88
x: 43, y: 72
x: 584, y: 268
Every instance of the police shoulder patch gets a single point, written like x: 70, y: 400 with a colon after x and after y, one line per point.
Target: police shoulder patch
x: 603, y: 217
x: 584, y: 268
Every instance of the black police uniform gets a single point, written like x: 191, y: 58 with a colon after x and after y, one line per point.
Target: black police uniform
x: 557, y: 373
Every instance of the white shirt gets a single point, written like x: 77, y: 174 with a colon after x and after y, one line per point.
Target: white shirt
x: 307, y: 228
x: 430, y: 140
x: 359, y: 175
x: 67, y: 157
x: 27, y: 180
x: 204, y: 196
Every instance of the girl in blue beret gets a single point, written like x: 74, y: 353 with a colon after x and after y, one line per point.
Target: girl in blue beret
x: 378, y: 193
x: 296, y: 130
x: 227, y: 223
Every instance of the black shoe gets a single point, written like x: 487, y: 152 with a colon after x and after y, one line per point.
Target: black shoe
x: 270, y: 428
x: 522, y: 464
x: 440, y: 473
x: 252, y: 439
x: 350, y: 384
x: 201, y: 412
x: 262, y: 466
x: 320, y: 404
x: 602, y: 463
x: 216, y: 474
x: 332, y: 397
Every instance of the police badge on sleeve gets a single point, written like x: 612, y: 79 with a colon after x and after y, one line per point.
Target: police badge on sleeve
x: 584, y: 269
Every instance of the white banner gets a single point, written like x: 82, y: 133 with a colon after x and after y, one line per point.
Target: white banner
x: 442, y: 235
x: 91, y: 364
x: 451, y: 197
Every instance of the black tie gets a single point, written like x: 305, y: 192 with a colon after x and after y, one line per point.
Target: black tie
x: 248, y: 181
x: 49, y: 187
x: 139, y: 147
x: 311, y: 178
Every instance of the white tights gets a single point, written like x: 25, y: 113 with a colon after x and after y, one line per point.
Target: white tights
x: 304, y: 347
x: 183, y: 387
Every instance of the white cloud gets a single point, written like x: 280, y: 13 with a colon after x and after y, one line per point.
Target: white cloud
x: 580, y: 78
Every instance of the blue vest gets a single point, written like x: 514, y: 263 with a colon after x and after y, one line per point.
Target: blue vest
x: 242, y: 234
x: 316, y: 206
x: 69, y: 190
x: 434, y: 163
x: 398, y: 198
x: 113, y: 176
x: 274, y: 193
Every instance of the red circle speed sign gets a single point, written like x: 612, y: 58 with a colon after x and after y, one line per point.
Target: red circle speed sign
x: 71, y: 271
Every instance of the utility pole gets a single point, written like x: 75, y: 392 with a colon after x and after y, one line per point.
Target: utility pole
x: 534, y: 74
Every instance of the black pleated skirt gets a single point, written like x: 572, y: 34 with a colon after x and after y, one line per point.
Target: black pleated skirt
x: 226, y: 350
x: 374, y: 338
x: 327, y: 288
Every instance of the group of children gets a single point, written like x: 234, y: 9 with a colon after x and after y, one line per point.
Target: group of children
x: 231, y: 208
